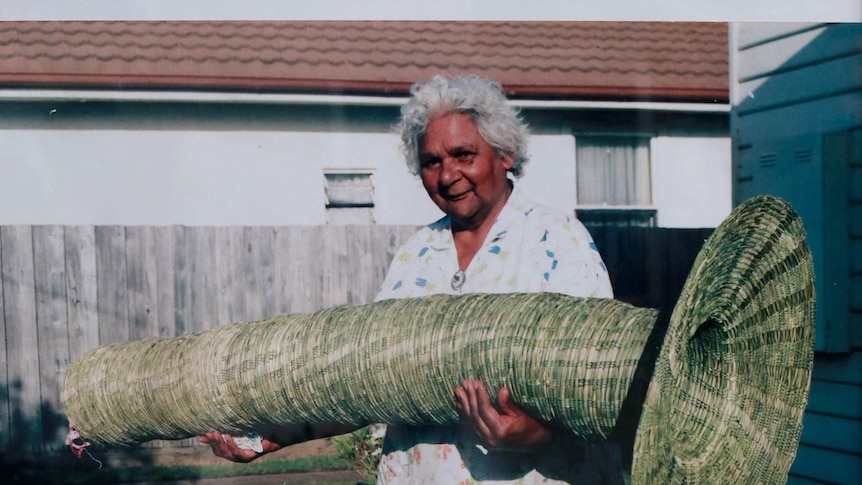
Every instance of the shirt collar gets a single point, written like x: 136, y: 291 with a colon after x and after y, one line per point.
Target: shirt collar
x: 517, y: 206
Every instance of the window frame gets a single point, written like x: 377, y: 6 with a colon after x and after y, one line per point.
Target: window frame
x: 365, y: 208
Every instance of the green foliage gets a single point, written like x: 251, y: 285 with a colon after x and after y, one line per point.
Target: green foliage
x: 363, y: 449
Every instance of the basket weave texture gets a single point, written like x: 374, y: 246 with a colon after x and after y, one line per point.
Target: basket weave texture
x: 364, y: 364
x: 724, y: 404
x: 731, y: 383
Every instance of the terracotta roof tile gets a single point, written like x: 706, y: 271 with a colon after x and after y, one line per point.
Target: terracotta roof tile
x: 572, y: 60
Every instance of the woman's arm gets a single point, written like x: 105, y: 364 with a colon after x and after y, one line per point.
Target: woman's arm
x: 273, y: 439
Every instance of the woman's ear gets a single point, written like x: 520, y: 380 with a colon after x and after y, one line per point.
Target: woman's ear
x: 508, y: 159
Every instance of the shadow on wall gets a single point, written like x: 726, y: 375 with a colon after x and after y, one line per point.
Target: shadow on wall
x: 53, y: 462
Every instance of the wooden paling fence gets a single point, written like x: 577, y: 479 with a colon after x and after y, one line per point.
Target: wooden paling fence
x: 67, y: 289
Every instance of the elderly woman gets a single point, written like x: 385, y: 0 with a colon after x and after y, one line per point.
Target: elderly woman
x: 468, y: 146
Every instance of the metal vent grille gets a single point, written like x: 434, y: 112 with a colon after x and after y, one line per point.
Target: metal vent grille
x: 768, y: 160
x: 802, y: 156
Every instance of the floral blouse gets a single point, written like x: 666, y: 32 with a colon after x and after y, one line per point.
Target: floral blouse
x: 530, y: 248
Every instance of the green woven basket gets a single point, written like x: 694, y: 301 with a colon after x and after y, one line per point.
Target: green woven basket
x: 718, y: 399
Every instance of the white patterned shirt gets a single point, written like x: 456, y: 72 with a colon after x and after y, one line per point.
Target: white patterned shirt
x: 530, y: 248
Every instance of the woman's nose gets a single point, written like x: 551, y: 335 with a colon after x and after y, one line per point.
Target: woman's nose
x: 449, y: 173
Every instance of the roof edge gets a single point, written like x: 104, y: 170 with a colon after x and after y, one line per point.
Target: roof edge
x: 347, y: 87
x: 244, y: 97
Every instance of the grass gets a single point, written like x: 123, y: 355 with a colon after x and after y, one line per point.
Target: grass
x: 32, y: 475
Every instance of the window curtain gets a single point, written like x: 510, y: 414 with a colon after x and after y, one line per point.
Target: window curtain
x: 613, y: 171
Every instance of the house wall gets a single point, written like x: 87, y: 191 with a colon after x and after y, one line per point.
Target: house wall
x: 796, y: 125
x: 139, y: 163
x: 195, y: 177
x: 691, y: 180
x: 111, y: 163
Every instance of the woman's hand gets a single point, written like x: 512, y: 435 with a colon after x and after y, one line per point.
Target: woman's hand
x: 505, y: 426
x: 273, y: 438
x: 224, y: 446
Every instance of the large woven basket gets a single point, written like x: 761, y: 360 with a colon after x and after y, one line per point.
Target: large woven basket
x: 718, y: 399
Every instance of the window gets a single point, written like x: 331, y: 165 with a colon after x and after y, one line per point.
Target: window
x: 349, y: 196
x: 613, y: 180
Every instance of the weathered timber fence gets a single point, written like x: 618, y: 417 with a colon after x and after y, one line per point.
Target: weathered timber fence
x: 67, y: 289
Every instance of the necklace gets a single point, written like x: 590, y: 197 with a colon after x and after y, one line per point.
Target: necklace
x: 458, y: 280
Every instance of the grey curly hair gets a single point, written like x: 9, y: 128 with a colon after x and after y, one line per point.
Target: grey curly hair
x: 499, y: 123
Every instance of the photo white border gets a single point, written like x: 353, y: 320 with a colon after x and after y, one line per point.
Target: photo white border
x: 700, y: 10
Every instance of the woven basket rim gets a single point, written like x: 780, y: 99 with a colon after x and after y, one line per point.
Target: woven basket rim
x: 662, y: 454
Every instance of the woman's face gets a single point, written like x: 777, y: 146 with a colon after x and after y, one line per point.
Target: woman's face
x: 461, y: 172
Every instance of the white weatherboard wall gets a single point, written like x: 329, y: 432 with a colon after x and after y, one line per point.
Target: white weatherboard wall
x: 220, y: 166
x: 691, y: 181
x: 138, y: 177
x: 166, y: 177
x: 549, y: 176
